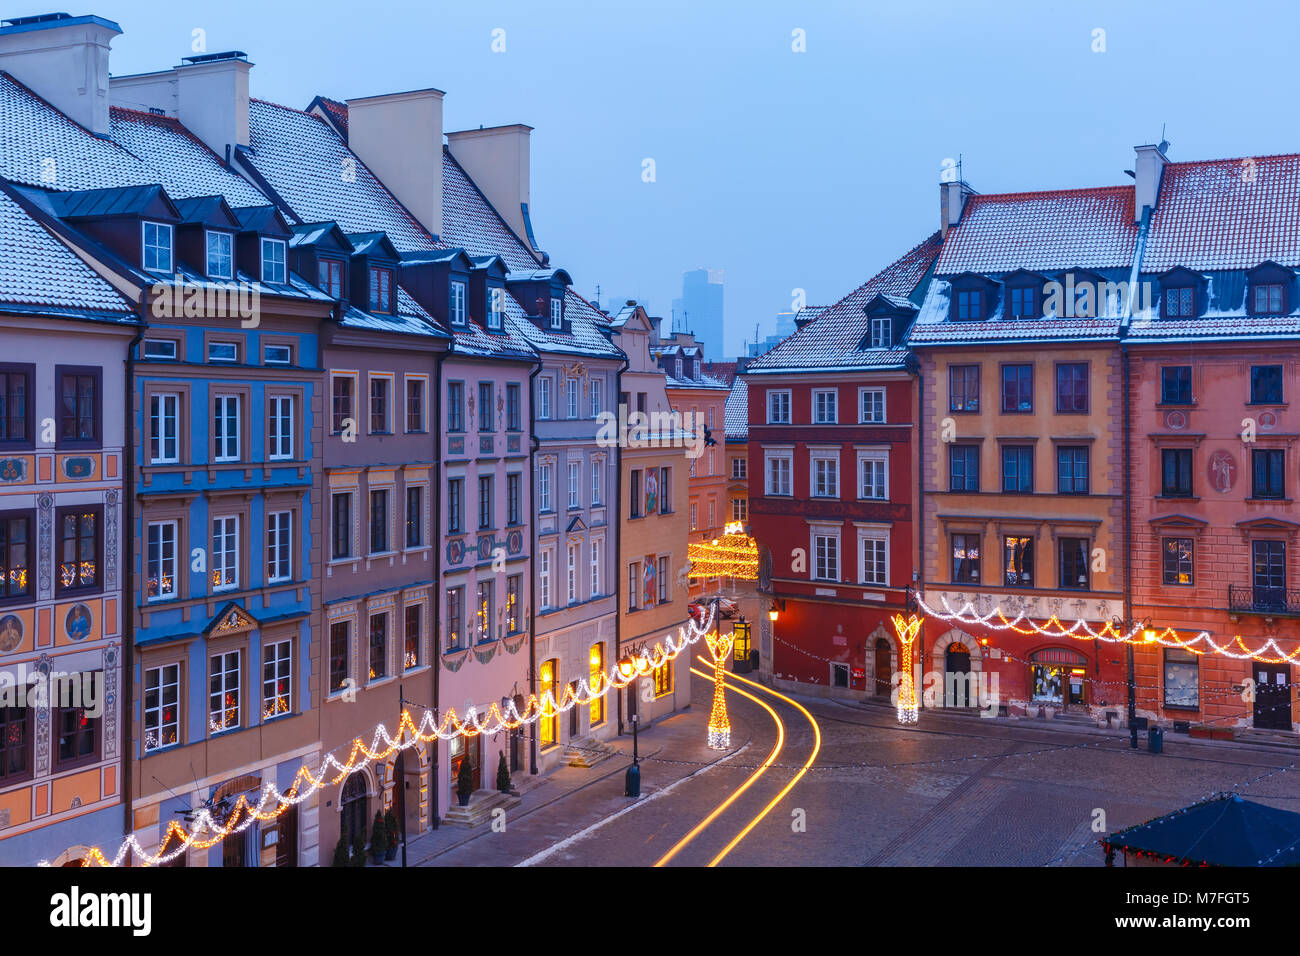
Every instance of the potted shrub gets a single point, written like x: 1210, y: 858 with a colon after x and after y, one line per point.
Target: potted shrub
x: 464, y: 782
x: 503, y: 775
x: 341, y: 855
x: 394, y: 834
x: 378, y: 839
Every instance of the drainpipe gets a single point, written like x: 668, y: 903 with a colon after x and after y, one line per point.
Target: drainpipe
x: 435, y: 503
x: 533, y: 445
x: 919, y: 518
x: 618, y: 537
x: 127, y: 551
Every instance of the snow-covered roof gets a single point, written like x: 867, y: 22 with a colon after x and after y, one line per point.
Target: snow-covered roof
x: 736, y: 412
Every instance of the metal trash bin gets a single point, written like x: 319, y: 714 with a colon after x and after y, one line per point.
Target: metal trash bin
x: 1155, y: 740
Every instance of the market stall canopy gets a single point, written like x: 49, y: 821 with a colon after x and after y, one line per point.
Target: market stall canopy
x: 1224, y: 831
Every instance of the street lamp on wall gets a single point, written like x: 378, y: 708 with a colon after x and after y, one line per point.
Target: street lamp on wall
x: 774, y: 612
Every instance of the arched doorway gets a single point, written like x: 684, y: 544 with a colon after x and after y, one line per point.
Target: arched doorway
x: 884, y: 669
x: 956, y: 676
x: 354, y: 808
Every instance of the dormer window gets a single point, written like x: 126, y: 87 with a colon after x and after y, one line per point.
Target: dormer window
x: 496, y: 307
x: 1182, y: 293
x: 678, y: 373
x: 331, y: 278
x: 970, y: 305
x: 882, y: 332
x: 1268, y: 289
x: 221, y: 255
x: 1268, y: 299
x: 1180, y: 303
x: 157, y: 254
x: 273, y: 261
x: 381, y: 290
x: 1022, y: 303
x: 557, y: 313
x: 458, y: 301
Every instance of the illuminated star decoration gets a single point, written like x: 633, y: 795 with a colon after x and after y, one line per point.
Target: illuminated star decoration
x: 734, y: 555
x: 907, y: 631
x: 719, y: 725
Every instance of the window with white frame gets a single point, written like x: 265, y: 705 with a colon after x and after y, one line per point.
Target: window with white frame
x: 572, y: 577
x: 739, y: 468
x: 780, y: 465
x: 826, y: 555
x: 571, y: 397
x: 273, y: 261
x: 279, y: 525
x: 281, y: 430
x: 873, y: 474
x: 220, y: 255
x: 223, y: 691
x: 594, y: 548
x: 825, y: 473
x: 277, y: 679
x: 881, y: 337
x: 226, y: 430
x: 496, y: 307
x: 544, y: 575
x: 661, y: 580
x: 557, y: 313
x: 458, y: 303
x: 545, y: 474
x: 575, y: 481
x: 873, y: 557
x: 162, y: 711
x: 162, y: 581
x: 739, y: 509
x: 225, y: 553
x: 871, y: 405
x: 597, y: 481
x: 597, y: 400
x: 157, y: 241
x: 824, y: 406
x: 778, y: 406
x: 544, y: 398
x: 164, y: 428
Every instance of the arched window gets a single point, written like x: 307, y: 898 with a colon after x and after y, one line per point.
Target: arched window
x: 549, y: 726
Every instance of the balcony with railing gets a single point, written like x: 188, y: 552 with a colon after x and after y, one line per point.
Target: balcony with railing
x: 1273, y: 602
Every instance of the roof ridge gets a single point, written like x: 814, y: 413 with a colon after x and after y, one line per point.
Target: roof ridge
x: 1237, y: 160
x: 981, y: 197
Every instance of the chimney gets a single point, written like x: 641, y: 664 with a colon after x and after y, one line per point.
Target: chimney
x: 63, y: 59
x: 952, y: 201
x: 207, y: 93
x: 399, y: 136
x: 1150, y: 167
x: 497, y: 159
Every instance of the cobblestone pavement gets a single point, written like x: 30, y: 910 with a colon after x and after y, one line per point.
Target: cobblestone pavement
x: 950, y: 790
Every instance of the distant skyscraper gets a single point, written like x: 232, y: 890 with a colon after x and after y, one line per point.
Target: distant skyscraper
x: 699, y: 310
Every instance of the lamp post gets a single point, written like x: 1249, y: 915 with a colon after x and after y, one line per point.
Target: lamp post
x: 633, y: 782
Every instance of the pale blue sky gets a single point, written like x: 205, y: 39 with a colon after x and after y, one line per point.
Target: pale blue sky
x: 786, y: 170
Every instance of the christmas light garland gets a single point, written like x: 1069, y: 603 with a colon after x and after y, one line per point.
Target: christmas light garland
x: 734, y: 555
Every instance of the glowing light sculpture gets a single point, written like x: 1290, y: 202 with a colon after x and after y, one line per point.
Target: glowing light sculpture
x: 719, y: 725
x: 906, y: 629
x: 734, y: 555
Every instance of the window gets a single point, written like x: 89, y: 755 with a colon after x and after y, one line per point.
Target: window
x: 557, y: 313
x: 594, y: 548
x: 342, y: 507
x: 571, y: 578
x: 663, y: 679
x: 455, y: 406
x: 514, y: 584
x: 458, y: 300
x: 78, y: 406
x: 378, y: 521
x: 1180, y: 303
x: 1073, y: 554
x: 78, y: 548
x: 633, y: 584
x: 677, y: 368
x: 1182, y: 678
x: 1268, y: 299
x: 162, y: 713
x: 483, y: 613
x: 874, y: 551
x: 514, y: 515
x: 485, y: 407
x: 157, y: 253
x: 969, y: 305
x: 963, y: 468
x: 381, y: 290
x: 966, y: 559
x: 713, y: 523
x: 160, y: 349
x: 873, y: 472
x: 544, y: 398
x: 411, y: 642
x: 455, y: 506
x: 484, y: 502
x: 665, y: 491
x: 544, y: 577
x: 379, y: 405
x: 496, y: 307
x: 277, y: 355
x: 1269, y: 573
x: 1176, y: 472
x: 273, y: 261
x: 661, y: 580
x: 571, y: 397
x: 634, y: 506
x: 415, y: 405
x: 455, y: 630
x: 824, y: 410
x: 779, y: 467
x: 277, y: 679
x: 226, y: 427
x: 963, y: 388
x: 1267, y: 473
x: 160, y: 560
x: 826, y: 557
x: 872, y: 409
x: 1265, y: 384
x: 78, y: 737
x: 597, y: 481
x: 597, y: 400
x: 378, y: 646
x: 221, y: 255
x: 1072, y: 470
x: 575, y: 481
x: 1018, y: 552
x: 16, y: 578
x: 825, y: 475
x: 545, y: 474
x: 342, y: 402
x: 1017, y: 388
x: 1018, y: 468
x: 1022, y: 305
x: 739, y: 509
x: 223, y: 692
x: 223, y: 351
x: 778, y: 407
x: 1177, y: 560
x: 549, y: 682
x: 225, y: 553
x: 596, y: 682
x: 739, y: 468
x: 164, y: 429
x: 512, y: 406
x: 881, y: 332
x: 694, y: 512
x: 15, y: 743
x: 1176, y: 385
x: 414, y: 516
x: 279, y: 526
x: 1072, y: 387
x: 340, y: 641
x: 330, y: 275
x: 281, y: 426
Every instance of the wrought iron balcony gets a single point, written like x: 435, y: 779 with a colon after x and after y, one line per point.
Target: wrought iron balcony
x: 1269, y: 601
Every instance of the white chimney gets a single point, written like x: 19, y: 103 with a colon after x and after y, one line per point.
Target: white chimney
x: 207, y: 93
x: 63, y: 59
x: 1151, y: 162
x: 952, y: 202
x: 498, y: 160
x: 399, y: 136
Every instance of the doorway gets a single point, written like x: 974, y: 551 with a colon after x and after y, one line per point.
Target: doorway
x: 517, y: 739
x: 956, y: 677
x: 1272, y: 696
x: 573, y: 711
x: 466, y: 748
x: 354, y: 806
x: 884, y: 674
